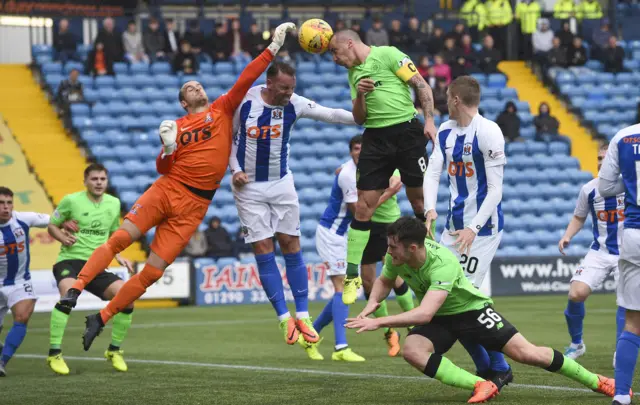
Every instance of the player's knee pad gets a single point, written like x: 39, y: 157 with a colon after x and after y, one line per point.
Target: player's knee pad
x: 119, y: 241
x: 149, y: 275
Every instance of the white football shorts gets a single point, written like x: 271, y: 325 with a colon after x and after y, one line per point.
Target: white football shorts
x: 478, y: 263
x: 597, y: 265
x: 268, y: 207
x: 629, y: 268
x: 332, y: 249
x: 10, y: 295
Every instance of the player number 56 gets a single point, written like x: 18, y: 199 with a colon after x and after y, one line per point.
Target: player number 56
x: 489, y: 318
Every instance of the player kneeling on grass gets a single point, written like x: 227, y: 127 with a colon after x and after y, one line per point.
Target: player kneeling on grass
x: 451, y: 308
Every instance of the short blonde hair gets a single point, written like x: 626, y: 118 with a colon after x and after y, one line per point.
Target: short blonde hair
x: 467, y: 89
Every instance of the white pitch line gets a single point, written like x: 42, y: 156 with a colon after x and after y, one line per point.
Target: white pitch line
x: 294, y: 370
x: 169, y: 324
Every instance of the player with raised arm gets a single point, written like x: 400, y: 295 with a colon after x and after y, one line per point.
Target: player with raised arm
x: 451, y: 308
x: 193, y: 162
x: 471, y: 149
x: 607, y: 215
x: 96, y: 215
x: 16, y: 290
x: 379, y: 78
x: 620, y: 173
x: 265, y: 193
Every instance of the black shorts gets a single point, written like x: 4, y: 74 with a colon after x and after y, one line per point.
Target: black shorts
x: 377, y: 245
x: 483, y: 326
x: 402, y: 146
x: 71, y: 269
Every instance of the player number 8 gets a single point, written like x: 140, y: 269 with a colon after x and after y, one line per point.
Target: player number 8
x: 423, y: 164
x: 489, y: 318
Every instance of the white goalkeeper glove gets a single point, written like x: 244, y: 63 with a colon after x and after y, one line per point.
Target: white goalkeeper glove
x: 279, y: 36
x: 168, y: 133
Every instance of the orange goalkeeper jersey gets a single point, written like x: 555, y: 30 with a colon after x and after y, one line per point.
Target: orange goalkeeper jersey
x: 204, y: 139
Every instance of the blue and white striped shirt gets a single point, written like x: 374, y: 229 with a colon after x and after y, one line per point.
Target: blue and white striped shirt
x: 607, y: 215
x: 336, y: 216
x: 14, y: 245
x: 262, y: 133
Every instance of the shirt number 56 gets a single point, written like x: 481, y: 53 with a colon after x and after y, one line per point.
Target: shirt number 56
x: 489, y: 318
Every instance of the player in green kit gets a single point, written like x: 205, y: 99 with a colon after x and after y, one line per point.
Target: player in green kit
x: 387, y: 213
x: 97, y: 216
x: 379, y: 78
x: 451, y: 308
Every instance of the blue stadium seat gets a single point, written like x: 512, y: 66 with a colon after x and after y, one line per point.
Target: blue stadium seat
x: 497, y: 80
x: 139, y: 68
x: 80, y: 110
x: 481, y: 78
x: 125, y: 82
x: 69, y: 66
x: 167, y: 82
x: 161, y: 68
x: 104, y: 81
x: 224, y: 68
x: 52, y: 67
x: 121, y: 68
x: 206, y: 68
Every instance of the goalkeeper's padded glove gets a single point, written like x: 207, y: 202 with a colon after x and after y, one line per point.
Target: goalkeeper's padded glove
x: 279, y: 36
x: 168, y: 133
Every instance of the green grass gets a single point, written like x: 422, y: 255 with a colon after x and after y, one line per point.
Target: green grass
x: 228, y: 348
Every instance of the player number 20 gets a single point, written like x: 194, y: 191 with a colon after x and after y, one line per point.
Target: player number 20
x: 489, y: 318
x: 469, y: 263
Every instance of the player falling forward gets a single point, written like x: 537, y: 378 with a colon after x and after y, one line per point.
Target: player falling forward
x: 379, y: 78
x: 620, y: 173
x: 192, y: 165
x: 451, y: 308
x: 16, y: 291
x: 97, y: 216
x: 607, y: 217
x: 471, y: 148
x: 264, y: 191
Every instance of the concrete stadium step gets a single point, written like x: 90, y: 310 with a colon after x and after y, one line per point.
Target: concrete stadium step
x: 53, y: 155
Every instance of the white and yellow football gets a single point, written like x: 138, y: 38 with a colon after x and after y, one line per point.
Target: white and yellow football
x: 314, y: 35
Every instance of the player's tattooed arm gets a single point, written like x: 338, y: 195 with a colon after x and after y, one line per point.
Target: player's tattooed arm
x: 424, y: 93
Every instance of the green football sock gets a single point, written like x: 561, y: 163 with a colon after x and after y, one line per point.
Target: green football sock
x: 382, y: 311
x: 443, y: 370
x: 356, y: 242
x: 121, y: 324
x: 59, y: 319
x: 406, y: 301
x: 571, y: 369
x: 433, y: 231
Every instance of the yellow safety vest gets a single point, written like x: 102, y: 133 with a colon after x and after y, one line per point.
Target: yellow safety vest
x: 589, y: 10
x: 500, y: 12
x: 468, y: 12
x: 528, y: 15
x: 563, y: 9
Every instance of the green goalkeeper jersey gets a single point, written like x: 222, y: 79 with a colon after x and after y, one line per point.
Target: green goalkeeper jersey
x: 441, y: 271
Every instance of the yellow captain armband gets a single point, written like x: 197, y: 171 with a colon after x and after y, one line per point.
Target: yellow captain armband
x: 407, y: 69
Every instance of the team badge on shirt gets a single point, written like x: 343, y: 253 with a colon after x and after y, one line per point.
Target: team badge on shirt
x: 208, y: 118
x: 277, y: 114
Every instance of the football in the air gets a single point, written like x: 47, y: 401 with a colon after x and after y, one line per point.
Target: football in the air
x: 314, y: 35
